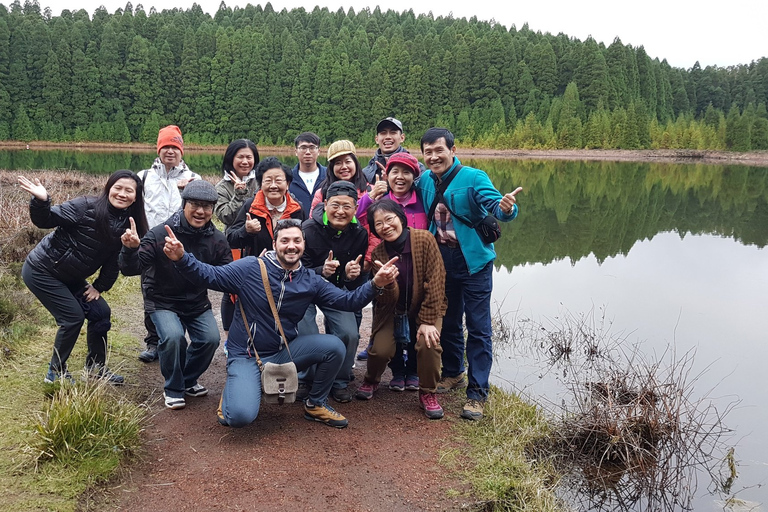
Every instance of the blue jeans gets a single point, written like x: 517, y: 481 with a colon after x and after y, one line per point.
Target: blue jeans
x: 470, y: 294
x: 241, y: 399
x: 180, y: 363
x: 342, y: 324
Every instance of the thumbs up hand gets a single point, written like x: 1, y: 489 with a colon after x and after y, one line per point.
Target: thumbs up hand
x: 379, y: 189
x: 352, y: 268
x: 252, y: 225
x: 330, y: 265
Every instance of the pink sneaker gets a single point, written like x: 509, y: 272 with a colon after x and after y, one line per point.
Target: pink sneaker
x: 366, y: 390
x: 428, y: 402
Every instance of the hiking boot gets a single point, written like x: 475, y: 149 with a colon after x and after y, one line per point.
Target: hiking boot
x: 397, y: 384
x: 196, y: 390
x: 173, y: 402
x: 324, y: 414
x: 149, y: 355
x: 102, y: 372
x: 58, y: 375
x: 473, y: 410
x: 342, y: 395
x: 428, y: 402
x: 302, y: 392
x: 446, y: 384
x: 363, y: 355
x: 220, y: 413
x: 366, y: 391
x: 412, y: 383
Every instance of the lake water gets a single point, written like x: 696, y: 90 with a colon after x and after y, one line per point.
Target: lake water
x: 671, y: 255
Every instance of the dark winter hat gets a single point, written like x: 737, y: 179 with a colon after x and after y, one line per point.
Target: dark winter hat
x: 389, y: 122
x: 341, y: 188
x: 199, y: 190
x: 407, y: 160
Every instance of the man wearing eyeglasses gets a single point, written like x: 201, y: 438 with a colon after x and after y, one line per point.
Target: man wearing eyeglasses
x: 308, y: 175
x: 174, y: 304
x: 335, y: 246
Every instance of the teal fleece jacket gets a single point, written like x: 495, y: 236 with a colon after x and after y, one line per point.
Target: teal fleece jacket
x: 472, y: 196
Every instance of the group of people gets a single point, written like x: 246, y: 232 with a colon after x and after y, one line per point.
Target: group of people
x: 394, y: 233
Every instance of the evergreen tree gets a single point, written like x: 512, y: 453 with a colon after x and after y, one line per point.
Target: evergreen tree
x: 22, y: 127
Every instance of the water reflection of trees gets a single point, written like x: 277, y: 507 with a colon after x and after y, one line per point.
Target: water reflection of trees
x: 629, y: 431
x: 574, y: 209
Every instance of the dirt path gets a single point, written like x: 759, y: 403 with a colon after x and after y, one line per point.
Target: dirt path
x: 387, y: 459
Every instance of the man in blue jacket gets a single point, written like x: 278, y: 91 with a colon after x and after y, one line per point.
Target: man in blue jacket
x: 453, y: 214
x: 308, y: 175
x: 294, y: 287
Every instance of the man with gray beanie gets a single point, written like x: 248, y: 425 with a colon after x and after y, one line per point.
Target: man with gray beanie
x: 174, y: 304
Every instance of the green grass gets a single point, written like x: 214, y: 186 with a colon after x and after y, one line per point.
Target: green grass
x: 60, y: 441
x: 499, y: 457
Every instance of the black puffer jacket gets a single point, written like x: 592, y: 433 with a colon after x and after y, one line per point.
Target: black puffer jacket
x: 163, y: 287
x: 75, y: 250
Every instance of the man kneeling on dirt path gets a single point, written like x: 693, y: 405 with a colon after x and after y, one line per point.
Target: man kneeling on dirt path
x: 294, y: 288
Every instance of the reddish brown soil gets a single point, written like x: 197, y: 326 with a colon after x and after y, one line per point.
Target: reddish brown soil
x: 387, y: 459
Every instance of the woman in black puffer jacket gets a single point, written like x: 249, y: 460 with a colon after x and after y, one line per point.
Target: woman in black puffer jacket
x: 86, y: 239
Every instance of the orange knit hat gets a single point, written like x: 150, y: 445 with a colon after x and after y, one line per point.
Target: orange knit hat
x: 170, y: 136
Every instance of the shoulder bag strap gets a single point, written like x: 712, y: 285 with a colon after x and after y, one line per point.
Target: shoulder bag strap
x: 440, y: 190
x: 250, y: 337
x: 271, y: 299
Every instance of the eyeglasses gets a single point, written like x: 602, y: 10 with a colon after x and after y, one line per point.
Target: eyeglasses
x: 307, y: 149
x: 279, y: 182
x: 206, y: 207
x: 389, y: 220
x: 338, y: 206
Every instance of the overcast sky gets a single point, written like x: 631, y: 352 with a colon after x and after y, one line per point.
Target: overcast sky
x: 719, y: 33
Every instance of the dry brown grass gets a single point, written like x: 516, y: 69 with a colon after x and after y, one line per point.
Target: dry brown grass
x: 17, y: 233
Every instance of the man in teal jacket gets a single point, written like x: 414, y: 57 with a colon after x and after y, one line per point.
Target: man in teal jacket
x: 468, y: 198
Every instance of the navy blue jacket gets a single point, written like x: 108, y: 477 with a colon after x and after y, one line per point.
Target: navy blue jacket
x: 299, y: 189
x: 293, y: 291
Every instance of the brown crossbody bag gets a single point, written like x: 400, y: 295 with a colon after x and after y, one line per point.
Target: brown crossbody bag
x: 279, y: 382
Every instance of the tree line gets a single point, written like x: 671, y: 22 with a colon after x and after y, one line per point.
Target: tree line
x: 266, y: 75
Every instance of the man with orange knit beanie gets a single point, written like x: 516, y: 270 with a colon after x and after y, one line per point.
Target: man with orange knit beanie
x: 163, y: 183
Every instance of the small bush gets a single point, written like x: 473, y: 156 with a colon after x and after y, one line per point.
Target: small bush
x: 87, y: 423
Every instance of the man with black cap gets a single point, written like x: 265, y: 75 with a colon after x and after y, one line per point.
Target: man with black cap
x: 335, y: 247
x: 389, y: 138
x: 174, y: 304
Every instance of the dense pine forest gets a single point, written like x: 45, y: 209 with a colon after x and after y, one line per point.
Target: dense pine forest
x: 269, y: 75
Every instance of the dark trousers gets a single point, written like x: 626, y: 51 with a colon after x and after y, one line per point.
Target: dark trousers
x: 151, y: 338
x: 70, y: 310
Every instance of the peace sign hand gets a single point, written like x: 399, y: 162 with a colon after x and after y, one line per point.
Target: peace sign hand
x: 509, y: 200
x: 352, y: 268
x: 173, y: 248
x: 131, y: 238
x: 239, y: 184
x: 33, y: 187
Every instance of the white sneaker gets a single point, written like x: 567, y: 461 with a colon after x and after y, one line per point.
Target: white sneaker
x: 172, y: 402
